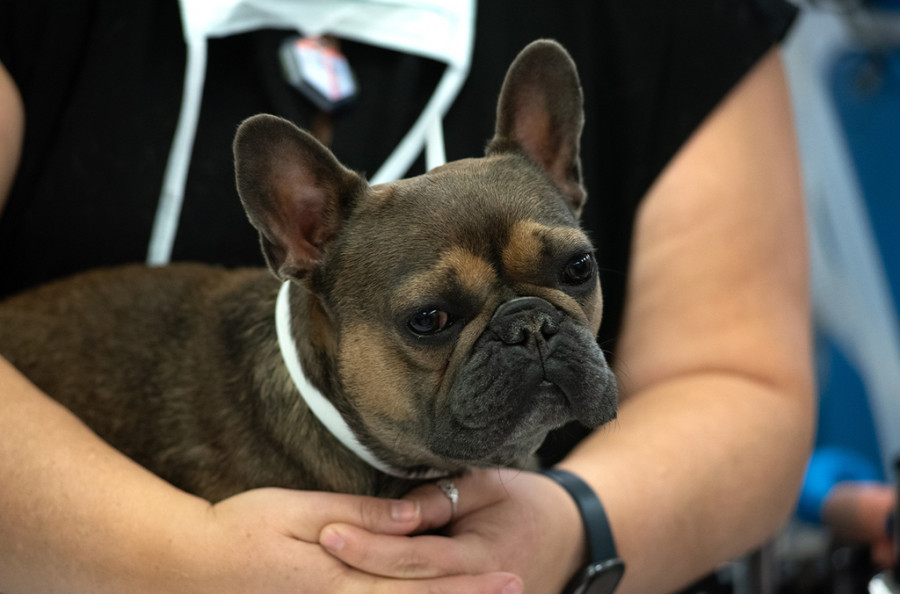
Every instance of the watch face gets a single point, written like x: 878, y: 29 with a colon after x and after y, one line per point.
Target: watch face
x: 601, y: 577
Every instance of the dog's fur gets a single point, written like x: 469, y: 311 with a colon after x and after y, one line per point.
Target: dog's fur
x: 450, y: 317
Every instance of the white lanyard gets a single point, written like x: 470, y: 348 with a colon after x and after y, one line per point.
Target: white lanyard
x: 438, y: 29
x: 320, y: 406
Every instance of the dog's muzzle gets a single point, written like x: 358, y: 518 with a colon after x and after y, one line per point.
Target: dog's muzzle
x: 533, y: 369
x: 523, y: 319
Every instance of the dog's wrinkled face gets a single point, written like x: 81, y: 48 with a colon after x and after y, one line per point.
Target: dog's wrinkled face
x: 469, y: 302
x: 463, y: 304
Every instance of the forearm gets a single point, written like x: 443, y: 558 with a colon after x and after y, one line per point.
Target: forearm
x: 687, y: 473
x: 12, y: 128
x: 76, y: 515
x: 714, y: 356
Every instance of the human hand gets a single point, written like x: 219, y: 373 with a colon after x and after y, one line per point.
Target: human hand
x: 507, y: 520
x: 266, y: 540
x: 858, y: 512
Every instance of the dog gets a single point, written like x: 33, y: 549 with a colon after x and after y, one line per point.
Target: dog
x: 423, y: 327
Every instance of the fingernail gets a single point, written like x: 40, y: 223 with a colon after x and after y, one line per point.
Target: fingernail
x: 404, y: 511
x: 513, y: 587
x: 332, y: 540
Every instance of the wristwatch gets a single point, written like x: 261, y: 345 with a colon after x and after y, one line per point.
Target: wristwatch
x: 604, y: 569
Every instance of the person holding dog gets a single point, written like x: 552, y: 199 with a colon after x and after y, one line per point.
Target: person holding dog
x: 715, y: 419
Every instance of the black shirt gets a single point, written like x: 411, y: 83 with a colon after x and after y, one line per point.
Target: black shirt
x: 101, y: 82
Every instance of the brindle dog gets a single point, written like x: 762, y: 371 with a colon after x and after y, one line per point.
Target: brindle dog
x: 450, y: 318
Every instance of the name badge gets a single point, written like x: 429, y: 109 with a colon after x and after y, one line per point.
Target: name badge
x: 317, y: 68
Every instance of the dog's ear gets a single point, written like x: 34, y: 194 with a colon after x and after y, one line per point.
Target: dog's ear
x: 296, y: 193
x: 540, y: 113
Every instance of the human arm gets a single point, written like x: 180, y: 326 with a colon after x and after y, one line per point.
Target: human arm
x: 78, y: 516
x: 706, y: 457
x: 717, y: 419
x: 12, y: 128
x: 858, y: 512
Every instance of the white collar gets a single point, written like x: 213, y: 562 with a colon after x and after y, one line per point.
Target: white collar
x: 320, y: 406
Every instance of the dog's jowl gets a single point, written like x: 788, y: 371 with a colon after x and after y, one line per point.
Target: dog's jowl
x: 402, y: 332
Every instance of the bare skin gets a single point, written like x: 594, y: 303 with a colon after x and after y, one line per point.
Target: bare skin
x: 707, y: 455
x: 84, y: 518
x: 78, y: 516
x: 12, y: 129
x: 858, y: 512
x: 702, y: 465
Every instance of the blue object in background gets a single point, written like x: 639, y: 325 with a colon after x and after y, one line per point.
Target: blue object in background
x: 886, y: 4
x: 827, y: 467
x: 845, y: 418
x: 865, y: 89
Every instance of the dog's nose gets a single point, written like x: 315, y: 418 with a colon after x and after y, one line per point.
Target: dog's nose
x: 523, y: 317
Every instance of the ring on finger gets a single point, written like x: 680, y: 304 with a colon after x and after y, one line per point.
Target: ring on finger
x: 450, y: 492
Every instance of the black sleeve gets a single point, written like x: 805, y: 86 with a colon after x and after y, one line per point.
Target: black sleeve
x: 652, y: 70
x: 101, y: 85
x: 101, y: 81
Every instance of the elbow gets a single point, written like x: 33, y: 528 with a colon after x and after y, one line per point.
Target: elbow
x: 796, y: 427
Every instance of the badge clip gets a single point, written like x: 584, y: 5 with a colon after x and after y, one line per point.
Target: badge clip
x: 317, y: 68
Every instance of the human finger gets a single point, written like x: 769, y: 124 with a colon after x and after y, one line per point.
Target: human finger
x: 407, y: 557
x: 481, y: 488
x: 303, y: 514
x: 489, y: 583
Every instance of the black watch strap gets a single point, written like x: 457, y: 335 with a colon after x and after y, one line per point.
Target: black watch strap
x: 601, y: 546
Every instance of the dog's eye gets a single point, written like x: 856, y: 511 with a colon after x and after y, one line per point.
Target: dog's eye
x: 579, y: 270
x: 429, y: 321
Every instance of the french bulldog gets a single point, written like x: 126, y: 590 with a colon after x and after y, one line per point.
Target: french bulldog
x: 424, y: 326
